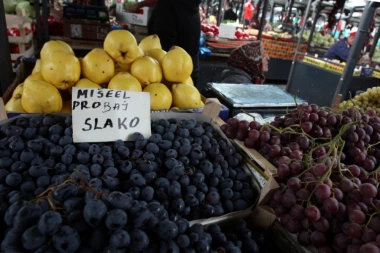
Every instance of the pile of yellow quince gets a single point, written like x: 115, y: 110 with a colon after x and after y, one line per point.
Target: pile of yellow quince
x: 121, y: 64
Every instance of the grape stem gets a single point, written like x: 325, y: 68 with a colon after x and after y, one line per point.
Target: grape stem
x: 370, y: 146
x: 333, y: 147
x: 295, y: 98
x: 370, y: 218
x: 374, y: 172
x: 287, y: 130
x: 244, y: 111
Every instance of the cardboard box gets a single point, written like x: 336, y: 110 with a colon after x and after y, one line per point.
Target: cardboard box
x: 133, y: 18
x: 85, y: 29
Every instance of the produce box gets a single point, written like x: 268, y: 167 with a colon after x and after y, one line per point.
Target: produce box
x: 141, y: 18
x: 263, y: 216
x: 85, y: 29
x: 255, y: 184
x: 261, y: 219
x: 85, y: 22
x: 262, y: 166
x: 200, y: 118
x: 255, y: 159
x: 314, y: 206
x: 286, y: 241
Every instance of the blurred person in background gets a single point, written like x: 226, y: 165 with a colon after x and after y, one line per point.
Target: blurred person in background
x: 177, y: 23
x: 202, y: 14
x: 309, y: 25
x: 296, y: 28
x: 246, y: 65
x: 267, y: 26
x: 229, y: 14
x: 341, y: 49
x: 248, y: 12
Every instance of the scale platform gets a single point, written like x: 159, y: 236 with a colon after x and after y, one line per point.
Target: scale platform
x: 268, y: 100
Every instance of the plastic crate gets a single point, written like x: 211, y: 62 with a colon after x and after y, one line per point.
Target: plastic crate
x: 24, y: 41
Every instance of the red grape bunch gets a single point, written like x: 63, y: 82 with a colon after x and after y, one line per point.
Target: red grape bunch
x: 327, y: 164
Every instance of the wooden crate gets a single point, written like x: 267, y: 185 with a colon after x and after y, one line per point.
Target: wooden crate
x: 264, y: 168
x: 256, y: 160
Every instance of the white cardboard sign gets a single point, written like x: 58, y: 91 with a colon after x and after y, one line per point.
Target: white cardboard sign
x: 101, y: 115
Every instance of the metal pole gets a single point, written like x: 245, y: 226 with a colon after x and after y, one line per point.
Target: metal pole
x: 289, y: 11
x: 256, y: 18
x: 45, y: 14
x: 6, y: 71
x: 374, y: 43
x: 340, y: 17
x: 319, y: 8
x: 222, y: 6
x: 38, y: 24
x: 208, y: 7
x: 272, y: 13
x: 262, y: 23
x: 241, y: 11
x: 354, y: 55
x: 298, y: 44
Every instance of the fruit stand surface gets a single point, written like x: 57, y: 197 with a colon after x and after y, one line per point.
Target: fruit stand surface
x: 312, y: 81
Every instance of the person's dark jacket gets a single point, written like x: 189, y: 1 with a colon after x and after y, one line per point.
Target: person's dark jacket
x: 234, y: 75
x: 230, y: 15
x: 339, y: 51
x: 177, y: 22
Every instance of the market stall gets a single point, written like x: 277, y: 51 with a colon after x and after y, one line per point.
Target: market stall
x: 279, y: 50
x: 279, y: 45
x: 309, y: 81
x: 321, y: 203
x: 302, y: 79
x: 119, y: 152
x: 102, y: 160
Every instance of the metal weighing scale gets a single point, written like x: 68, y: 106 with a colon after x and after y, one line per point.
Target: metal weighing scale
x: 267, y: 100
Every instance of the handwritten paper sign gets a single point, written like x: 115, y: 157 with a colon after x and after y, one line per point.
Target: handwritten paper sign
x: 101, y: 115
